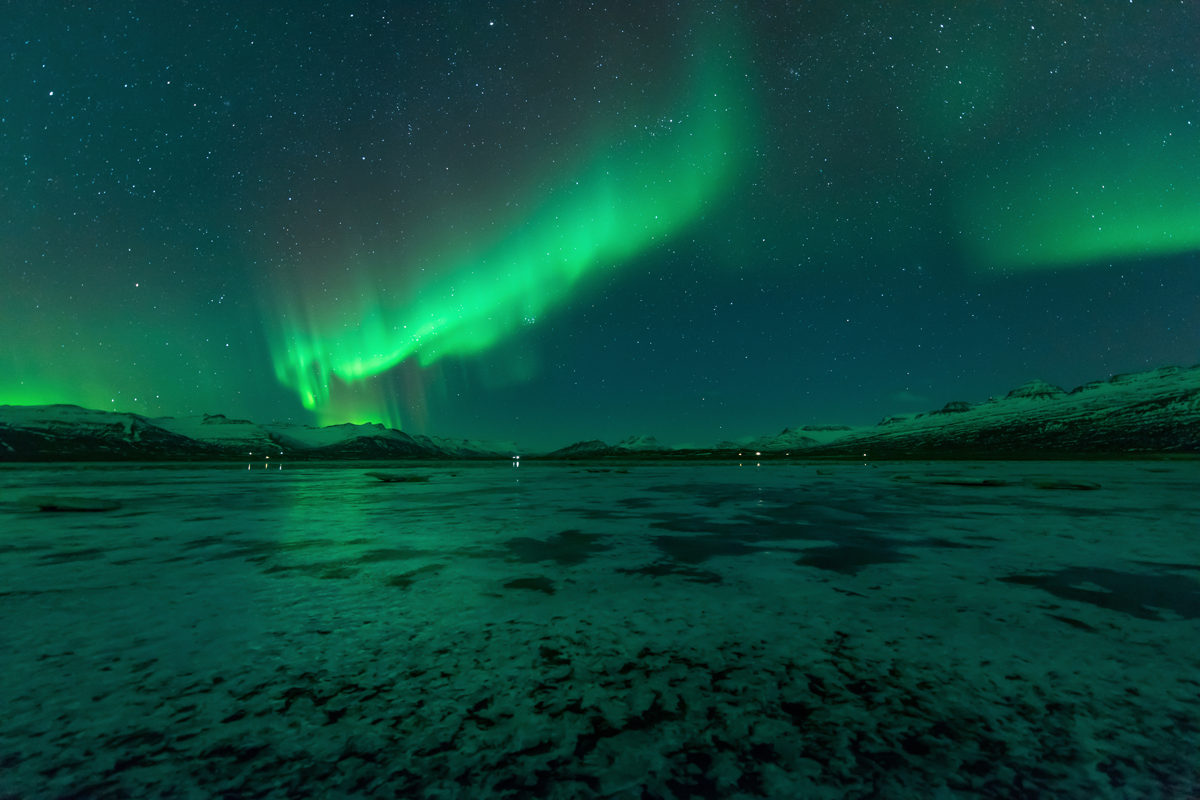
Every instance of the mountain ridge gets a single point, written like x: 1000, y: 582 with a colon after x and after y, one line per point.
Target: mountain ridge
x: 65, y: 432
x: 1153, y: 411
x: 1157, y: 411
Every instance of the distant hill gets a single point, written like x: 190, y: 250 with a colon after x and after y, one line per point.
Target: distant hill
x: 1154, y: 411
x: 588, y: 449
x: 71, y: 433
x: 1148, y: 412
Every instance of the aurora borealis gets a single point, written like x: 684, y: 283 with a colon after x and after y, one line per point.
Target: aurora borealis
x: 540, y: 223
x: 625, y: 198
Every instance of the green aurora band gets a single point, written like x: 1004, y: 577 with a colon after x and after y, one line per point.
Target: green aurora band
x: 629, y: 197
x: 1122, y: 192
x: 1070, y: 192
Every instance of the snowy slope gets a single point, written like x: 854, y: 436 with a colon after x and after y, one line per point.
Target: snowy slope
x: 308, y: 436
x: 1154, y: 411
x: 239, y: 436
x: 375, y: 435
x: 638, y: 444
x: 1157, y: 411
x: 349, y: 440
x: 243, y: 437
x: 470, y: 448
x: 588, y: 449
x: 799, y: 438
x: 633, y: 446
x: 72, y: 433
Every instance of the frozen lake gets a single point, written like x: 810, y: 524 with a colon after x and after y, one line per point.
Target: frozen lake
x: 577, y: 631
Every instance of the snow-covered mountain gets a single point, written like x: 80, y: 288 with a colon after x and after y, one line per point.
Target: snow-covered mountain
x: 470, y: 448
x: 790, y: 439
x: 71, y: 433
x: 239, y: 436
x: 348, y: 440
x: 639, y: 446
x: 245, y: 438
x: 589, y: 449
x: 1154, y: 411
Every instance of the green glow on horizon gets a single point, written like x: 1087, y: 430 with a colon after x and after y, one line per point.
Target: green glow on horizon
x: 44, y: 394
x: 361, y: 401
x: 1128, y: 192
x: 629, y: 197
x: 23, y: 384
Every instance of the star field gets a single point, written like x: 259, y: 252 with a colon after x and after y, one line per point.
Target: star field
x: 540, y: 223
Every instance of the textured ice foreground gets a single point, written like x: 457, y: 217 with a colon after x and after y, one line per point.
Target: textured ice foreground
x: 553, y: 631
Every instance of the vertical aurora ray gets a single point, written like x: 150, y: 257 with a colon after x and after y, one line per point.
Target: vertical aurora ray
x: 628, y: 197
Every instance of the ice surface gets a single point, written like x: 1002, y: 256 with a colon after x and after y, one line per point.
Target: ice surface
x: 67, y: 503
x: 549, y: 631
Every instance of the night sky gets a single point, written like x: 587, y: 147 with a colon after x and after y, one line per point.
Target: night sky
x: 548, y: 222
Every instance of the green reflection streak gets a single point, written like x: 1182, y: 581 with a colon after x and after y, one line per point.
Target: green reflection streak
x: 1127, y: 191
x: 629, y: 197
